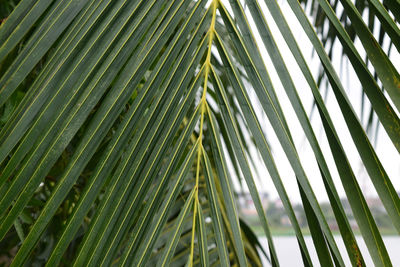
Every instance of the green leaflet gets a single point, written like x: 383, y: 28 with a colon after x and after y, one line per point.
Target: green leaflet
x: 173, y: 240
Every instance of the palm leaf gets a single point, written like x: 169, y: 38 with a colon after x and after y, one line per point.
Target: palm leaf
x: 128, y: 127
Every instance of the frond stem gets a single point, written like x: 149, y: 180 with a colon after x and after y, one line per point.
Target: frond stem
x: 203, y: 103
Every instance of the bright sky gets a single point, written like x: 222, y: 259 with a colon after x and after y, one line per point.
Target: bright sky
x: 388, y: 155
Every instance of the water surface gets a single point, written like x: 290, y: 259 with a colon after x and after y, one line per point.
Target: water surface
x: 289, y: 254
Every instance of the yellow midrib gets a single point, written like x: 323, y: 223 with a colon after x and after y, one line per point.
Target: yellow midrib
x: 203, y: 103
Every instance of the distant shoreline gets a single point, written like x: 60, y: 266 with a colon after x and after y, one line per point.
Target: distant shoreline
x: 258, y: 230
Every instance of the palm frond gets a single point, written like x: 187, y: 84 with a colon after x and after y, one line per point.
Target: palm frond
x: 127, y: 130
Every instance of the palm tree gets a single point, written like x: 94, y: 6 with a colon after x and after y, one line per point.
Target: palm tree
x: 126, y: 129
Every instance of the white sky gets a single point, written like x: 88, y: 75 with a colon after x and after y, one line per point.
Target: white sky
x: 388, y: 155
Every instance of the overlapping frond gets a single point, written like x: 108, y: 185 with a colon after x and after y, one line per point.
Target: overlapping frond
x: 125, y: 123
